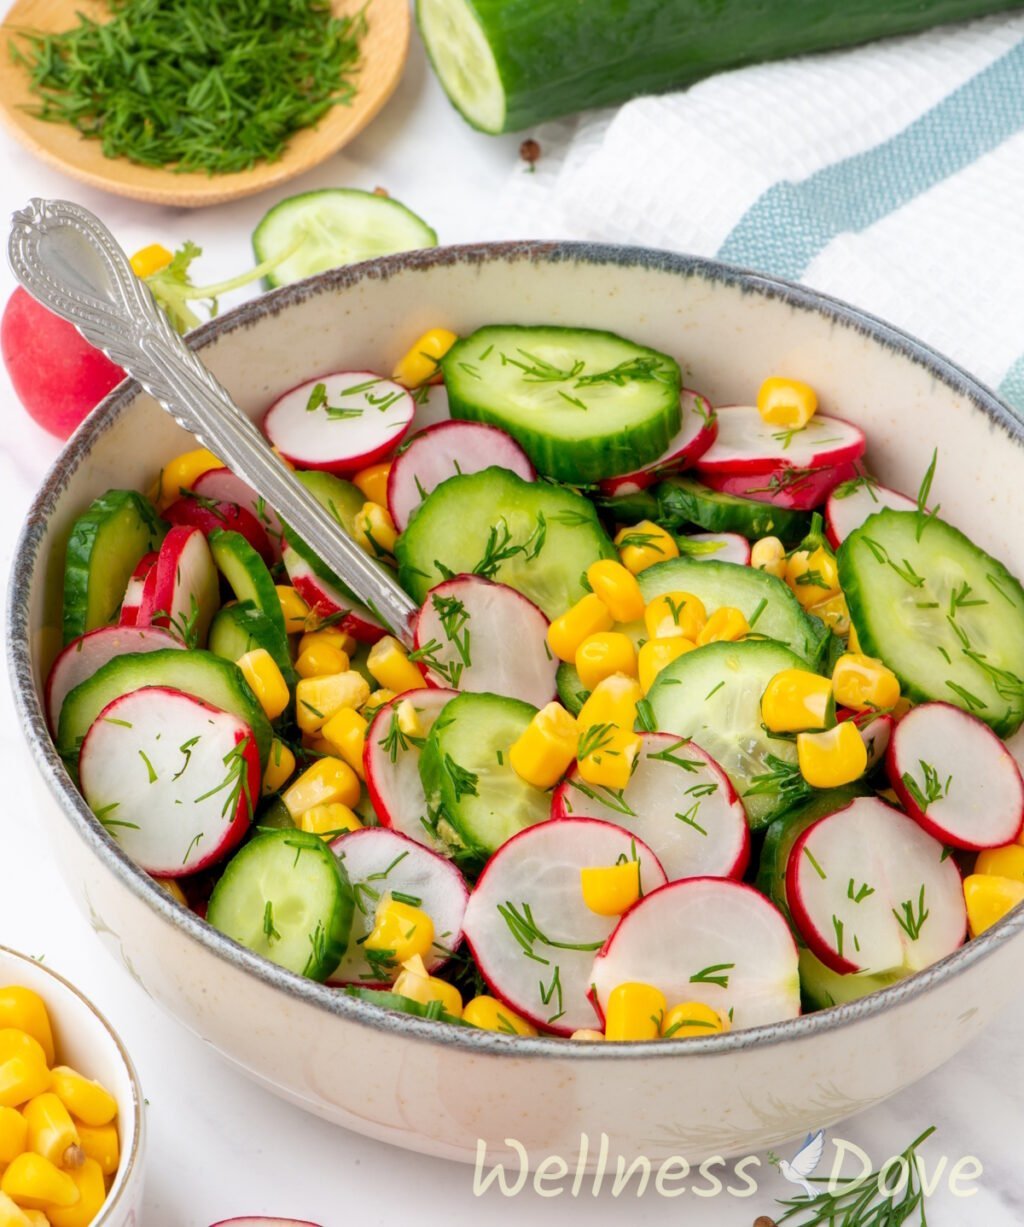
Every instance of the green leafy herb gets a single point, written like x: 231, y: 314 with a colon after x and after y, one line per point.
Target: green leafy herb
x: 911, y: 918
x: 715, y: 974
x: 930, y: 790
x: 923, y: 514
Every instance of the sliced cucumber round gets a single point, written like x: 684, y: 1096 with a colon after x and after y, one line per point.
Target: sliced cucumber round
x: 240, y: 628
x: 572, y: 694
x: 343, y: 500
x: 683, y: 501
x: 404, y: 1005
x: 463, y: 60
x: 250, y: 580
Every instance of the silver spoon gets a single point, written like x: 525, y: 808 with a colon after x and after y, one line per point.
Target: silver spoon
x: 67, y: 259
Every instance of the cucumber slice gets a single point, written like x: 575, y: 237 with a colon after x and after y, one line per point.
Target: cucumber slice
x: 344, y: 501
x: 286, y: 896
x: 682, y: 501
x: 533, y: 536
x: 240, y: 628
x: 821, y: 987
x: 404, y: 1005
x: 713, y: 695
x: 465, y: 771
x: 583, y: 404
x: 106, y: 544
x: 946, y: 617
x: 274, y: 815
x: 332, y: 227
x: 250, y: 581
x: 572, y: 694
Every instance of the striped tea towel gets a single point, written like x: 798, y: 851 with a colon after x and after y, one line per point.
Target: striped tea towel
x: 891, y: 176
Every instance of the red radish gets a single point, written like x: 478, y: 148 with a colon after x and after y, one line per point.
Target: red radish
x: 875, y: 731
x: 955, y: 777
x: 224, y: 486
x: 870, y: 891
x: 678, y: 800
x: 209, y: 515
x: 746, y: 443
x: 465, y: 630
x: 850, y: 504
x: 171, y: 778
x: 709, y: 940
x: 795, y: 489
x: 339, y: 422
x: 431, y: 407
x: 530, y: 931
x: 729, y: 547
x: 391, y: 763
x: 378, y: 862
x: 182, y: 591
x: 91, y: 651
x: 57, y: 375
x: 132, y: 600
x: 329, y: 603
x: 696, y: 434
x: 444, y: 450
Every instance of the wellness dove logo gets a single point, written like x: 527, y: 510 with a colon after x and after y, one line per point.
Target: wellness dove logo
x: 804, y: 1162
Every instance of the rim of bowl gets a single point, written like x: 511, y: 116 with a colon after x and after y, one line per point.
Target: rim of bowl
x: 334, y: 1001
x: 131, y: 1155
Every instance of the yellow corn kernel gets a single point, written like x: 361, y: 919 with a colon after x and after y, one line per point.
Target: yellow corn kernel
x: 83, y: 1097
x: 401, y: 930
x: 36, y: 1184
x: 675, y: 614
x: 692, y: 1018
x: 853, y: 643
x: 655, y: 654
x: 100, y: 1143
x: 23, y: 1072
x: 375, y: 531
x: 601, y: 655
x: 769, y: 554
x: 612, y: 701
x: 293, y: 608
x: 607, y: 755
x: 541, y: 754
x: 92, y: 1192
x: 321, y: 660
x: 834, y: 757
x: 795, y: 701
x: 51, y: 1131
x: 329, y: 820
x: 173, y: 889
x: 372, y: 482
x: 1005, y: 862
x: 184, y: 471
x: 634, y: 1012
x: 989, y: 899
x: 11, y: 1214
x: 643, y: 545
x: 388, y: 662
x: 609, y: 890
x: 327, y: 781
x: 35, y: 1218
x: 492, y: 1015
x: 416, y: 982
x: 345, y: 733
x: 376, y: 701
x: 786, y: 402
x: 589, y: 616
x: 25, y: 1010
x: 421, y: 362
x: 317, y: 699
x: 813, y: 576
x: 279, y: 769
x: 864, y: 683
x: 13, y: 1134
x: 265, y: 680
x: 587, y: 1035
x: 725, y: 625
x: 617, y: 589
x: 835, y: 613
x: 408, y: 718
x: 329, y: 637
x: 150, y: 259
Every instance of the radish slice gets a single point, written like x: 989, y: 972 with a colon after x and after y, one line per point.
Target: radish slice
x: 91, y: 651
x: 339, y: 422
x: 444, y: 450
x: 729, y: 547
x: 795, y: 489
x: 531, y: 933
x: 870, y: 891
x: 225, y: 486
x: 182, y: 591
x: 171, y: 778
x: 132, y: 601
x: 431, y: 407
x: 391, y: 763
x: 209, y: 515
x: 746, y: 443
x: 678, y: 800
x: 875, y: 732
x: 379, y: 861
x: 696, y: 434
x: 955, y: 777
x: 709, y: 940
x: 850, y: 504
x: 328, y: 603
x: 465, y: 630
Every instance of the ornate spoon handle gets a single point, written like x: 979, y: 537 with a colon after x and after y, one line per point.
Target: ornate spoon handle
x: 67, y: 259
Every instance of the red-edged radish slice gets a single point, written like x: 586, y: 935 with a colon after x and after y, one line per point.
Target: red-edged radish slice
x: 488, y: 638
x: 339, y: 422
x: 875, y: 732
x: 328, y: 602
x: 182, y: 591
x: 132, y: 600
x: 391, y: 763
x: 445, y: 450
x: 871, y: 891
x: 696, y: 434
x: 89, y: 652
x: 431, y: 407
x: 171, y: 778
x: 850, y: 504
x: 530, y: 931
x: 379, y: 861
x: 227, y: 487
x: 794, y: 489
x: 265, y: 1222
x: 678, y: 800
x: 955, y: 777
x: 709, y: 940
x: 728, y: 547
x: 209, y: 515
x: 746, y: 443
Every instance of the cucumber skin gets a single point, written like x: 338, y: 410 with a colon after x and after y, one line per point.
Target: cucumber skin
x: 571, y: 691
x: 243, y: 627
x: 683, y: 502
x: 555, y: 58
x: 400, y: 1004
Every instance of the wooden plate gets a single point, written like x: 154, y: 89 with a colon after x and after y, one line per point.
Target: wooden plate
x: 384, y: 52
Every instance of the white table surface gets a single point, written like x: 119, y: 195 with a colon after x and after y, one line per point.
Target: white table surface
x: 220, y: 1146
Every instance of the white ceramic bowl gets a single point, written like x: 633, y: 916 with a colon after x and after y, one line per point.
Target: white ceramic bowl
x: 87, y: 1042
x: 438, y: 1089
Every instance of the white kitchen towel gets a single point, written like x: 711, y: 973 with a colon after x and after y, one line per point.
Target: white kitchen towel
x: 891, y: 175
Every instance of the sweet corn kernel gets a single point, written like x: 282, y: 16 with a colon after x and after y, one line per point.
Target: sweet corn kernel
x: 675, y: 614
x: 409, y: 721
x: 389, y: 663
x: 265, y: 680
x: 601, y: 655
x: 1005, y: 862
x: 835, y: 613
x: 317, y: 699
x: 541, y: 754
x: 725, y: 625
x: 83, y: 1097
x: 51, y: 1131
x: 150, y: 259
x: 183, y: 472
x: 795, y: 701
x: 589, y: 616
x: 173, y: 889
x: 416, y: 982
x: 376, y: 701
x: 321, y: 660
x: 634, y: 1012
x: 329, y: 820
x: 617, y: 589
x: 812, y: 575
x: 786, y: 402
x: 327, y: 781
x: 587, y: 1035
x: 853, y: 643
x: 643, y: 545
x: 372, y: 482
x: 692, y: 1018
x: 769, y: 554
x: 612, y: 701
x: 36, y: 1184
x: 375, y: 530
x: 400, y: 930
x: 24, y: 1010
x: 11, y: 1214
x: 345, y: 733
x: 34, y: 1218
x: 420, y: 364
x: 989, y: 899
x: 23, y: 1072
x: 863, y: 683
x: 100, y: 1143
x: 492, y: 1015
x: 330, y: 637
x: 834, y: 757
x: 13, y: 1134
x: 609, y: 890
x: 279, y: 769
x: 655, y: 654
x: 293, y: 608
x: 607, y: 755
x: 92, y: 1192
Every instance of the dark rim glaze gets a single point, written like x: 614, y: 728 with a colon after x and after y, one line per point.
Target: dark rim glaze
x: 331, y: 1001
